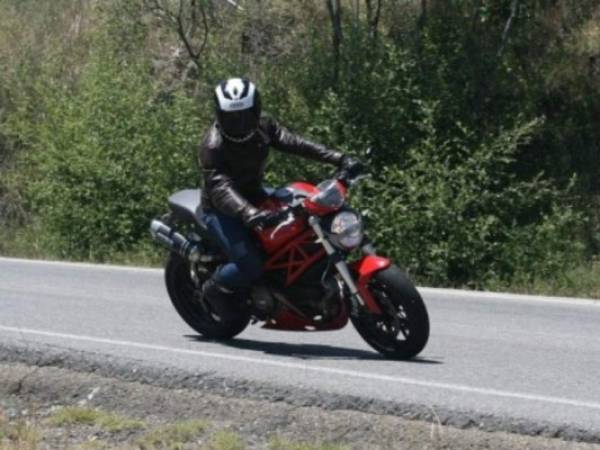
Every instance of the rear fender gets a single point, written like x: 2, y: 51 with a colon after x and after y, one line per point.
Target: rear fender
x: 364, y: 269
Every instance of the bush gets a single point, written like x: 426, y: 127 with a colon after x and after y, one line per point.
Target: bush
x: 458, y: 215
x: 101, y: 125
x: 107, y: 155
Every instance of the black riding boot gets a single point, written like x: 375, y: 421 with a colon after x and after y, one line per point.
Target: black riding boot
x: 222, y: 301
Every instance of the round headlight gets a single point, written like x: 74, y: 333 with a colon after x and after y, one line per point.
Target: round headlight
x: 347, y: 230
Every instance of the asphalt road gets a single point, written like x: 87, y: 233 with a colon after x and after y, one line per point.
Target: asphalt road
x: 505, y: 356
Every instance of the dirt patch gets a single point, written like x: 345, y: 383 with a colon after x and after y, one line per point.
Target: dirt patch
x: 35, y: 395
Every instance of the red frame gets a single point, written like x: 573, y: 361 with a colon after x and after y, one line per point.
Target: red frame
x: 294, y: 257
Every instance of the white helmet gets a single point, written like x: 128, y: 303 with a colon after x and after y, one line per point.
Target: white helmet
x: 237, y: 108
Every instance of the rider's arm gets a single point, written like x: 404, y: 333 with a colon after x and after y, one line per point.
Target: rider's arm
x: 284, y: 140
x: 225, y: 198
x: 218, y: 185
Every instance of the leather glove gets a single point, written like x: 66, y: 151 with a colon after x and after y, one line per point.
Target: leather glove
x: 264, y: 218
x: 352, y: 166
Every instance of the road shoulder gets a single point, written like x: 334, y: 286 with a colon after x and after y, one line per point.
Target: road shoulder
x: 33, y: 393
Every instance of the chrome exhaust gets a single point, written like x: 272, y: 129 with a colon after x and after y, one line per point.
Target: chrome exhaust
x: 174, y: 241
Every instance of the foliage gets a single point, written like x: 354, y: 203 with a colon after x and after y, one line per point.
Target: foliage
x: 481, y: 114
x: 460, y: 214
x: 577, y: 281
x: 106, y: 158
x: 548, y: 68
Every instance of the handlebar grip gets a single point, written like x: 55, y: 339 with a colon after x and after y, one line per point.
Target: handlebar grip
x: 346, y: 177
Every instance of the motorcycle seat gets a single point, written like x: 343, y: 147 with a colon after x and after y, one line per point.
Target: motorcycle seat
x: 187, y: 205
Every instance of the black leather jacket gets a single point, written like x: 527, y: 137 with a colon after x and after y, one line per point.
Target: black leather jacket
x: 233, y: 173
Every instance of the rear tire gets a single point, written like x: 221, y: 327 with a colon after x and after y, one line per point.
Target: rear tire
x: 396, y: 295
x: 182, y: 292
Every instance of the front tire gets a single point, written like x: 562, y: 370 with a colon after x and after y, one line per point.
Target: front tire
x: 182, y: 292
x: 403, y: 330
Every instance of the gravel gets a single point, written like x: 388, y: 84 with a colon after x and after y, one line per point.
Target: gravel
x: 52, y: 376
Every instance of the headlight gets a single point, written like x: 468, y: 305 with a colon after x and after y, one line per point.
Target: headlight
x: 346, y: 230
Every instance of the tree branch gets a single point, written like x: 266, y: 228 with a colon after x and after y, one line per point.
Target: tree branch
x: 206, y: 29
x: 476, y: 15
x: 186, y: 42
x: 423, y: 16
x: 335, y: 14
x: 184, y: 20
x: 373, y: 16
x: 514, y: 7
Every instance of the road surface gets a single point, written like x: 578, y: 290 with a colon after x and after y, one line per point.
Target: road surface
x: 511, y: 358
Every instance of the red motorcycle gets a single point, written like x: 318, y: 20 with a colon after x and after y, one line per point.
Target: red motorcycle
x: 308, y: 283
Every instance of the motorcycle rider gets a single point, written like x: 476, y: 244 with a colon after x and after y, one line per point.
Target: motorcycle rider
x: 233, y: 157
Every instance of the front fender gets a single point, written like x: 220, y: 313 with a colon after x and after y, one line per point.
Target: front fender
x: 364, y: 269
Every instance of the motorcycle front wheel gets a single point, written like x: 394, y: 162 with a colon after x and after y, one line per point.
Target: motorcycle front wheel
x: 402, y: 331
x: 185, y: 299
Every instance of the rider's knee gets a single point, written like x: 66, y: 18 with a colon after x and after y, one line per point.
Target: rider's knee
x: 248, y: 260
x: 251, y: 268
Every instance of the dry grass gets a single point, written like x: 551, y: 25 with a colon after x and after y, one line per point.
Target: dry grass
x: 225, y: 440
x: 173, y: 435
x: 19, y: 435
x: 282, y: 444
x: 113, y: 423
x: 26, y: 435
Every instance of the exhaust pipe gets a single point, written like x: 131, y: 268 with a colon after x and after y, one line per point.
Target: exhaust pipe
x: 174, y: 241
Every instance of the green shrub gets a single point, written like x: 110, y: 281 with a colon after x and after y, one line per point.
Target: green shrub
x: 107, y: 155
x: 101, y: 113
x: 458, y: 215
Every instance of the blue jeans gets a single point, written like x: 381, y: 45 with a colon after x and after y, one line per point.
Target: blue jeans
x: 241, y: 248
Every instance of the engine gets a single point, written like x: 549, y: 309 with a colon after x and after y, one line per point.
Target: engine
x: 315, y: 294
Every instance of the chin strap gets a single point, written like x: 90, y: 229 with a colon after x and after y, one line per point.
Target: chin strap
x: 238, y: 140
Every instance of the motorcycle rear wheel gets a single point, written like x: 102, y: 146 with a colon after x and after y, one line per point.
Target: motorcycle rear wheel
x: 403, y: 330
x: 182, y: 291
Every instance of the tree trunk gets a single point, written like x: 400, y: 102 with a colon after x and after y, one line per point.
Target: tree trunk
x: 423, y: 16
x: 335, y: 14
x: 514, y: 7
x: 373, y: 15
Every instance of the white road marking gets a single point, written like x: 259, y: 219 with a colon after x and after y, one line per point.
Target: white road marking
x: 69, y: 264
x: 463, y: 294
x: 313, y: 368
x: 459, y: 294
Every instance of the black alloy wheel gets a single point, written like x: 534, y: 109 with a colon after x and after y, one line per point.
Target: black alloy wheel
x: 402, y: 331
x: 185, y: 297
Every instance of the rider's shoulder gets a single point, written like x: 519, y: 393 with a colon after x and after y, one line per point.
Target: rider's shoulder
x: 268, y: 124
x: 212, y: 138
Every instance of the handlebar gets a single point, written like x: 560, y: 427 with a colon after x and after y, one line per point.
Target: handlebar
x: 348, y: 179
x: 294, y: 207
x: 287, y: 214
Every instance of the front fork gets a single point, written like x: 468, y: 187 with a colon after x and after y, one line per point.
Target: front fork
x: 360, y: 296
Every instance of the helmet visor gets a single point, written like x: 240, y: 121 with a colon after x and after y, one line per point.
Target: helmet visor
x: 239, y: 124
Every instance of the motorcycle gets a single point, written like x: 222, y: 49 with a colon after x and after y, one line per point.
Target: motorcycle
x: 308, y: 283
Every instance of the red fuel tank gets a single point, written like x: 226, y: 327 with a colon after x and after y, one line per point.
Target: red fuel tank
x: 272, y: 239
